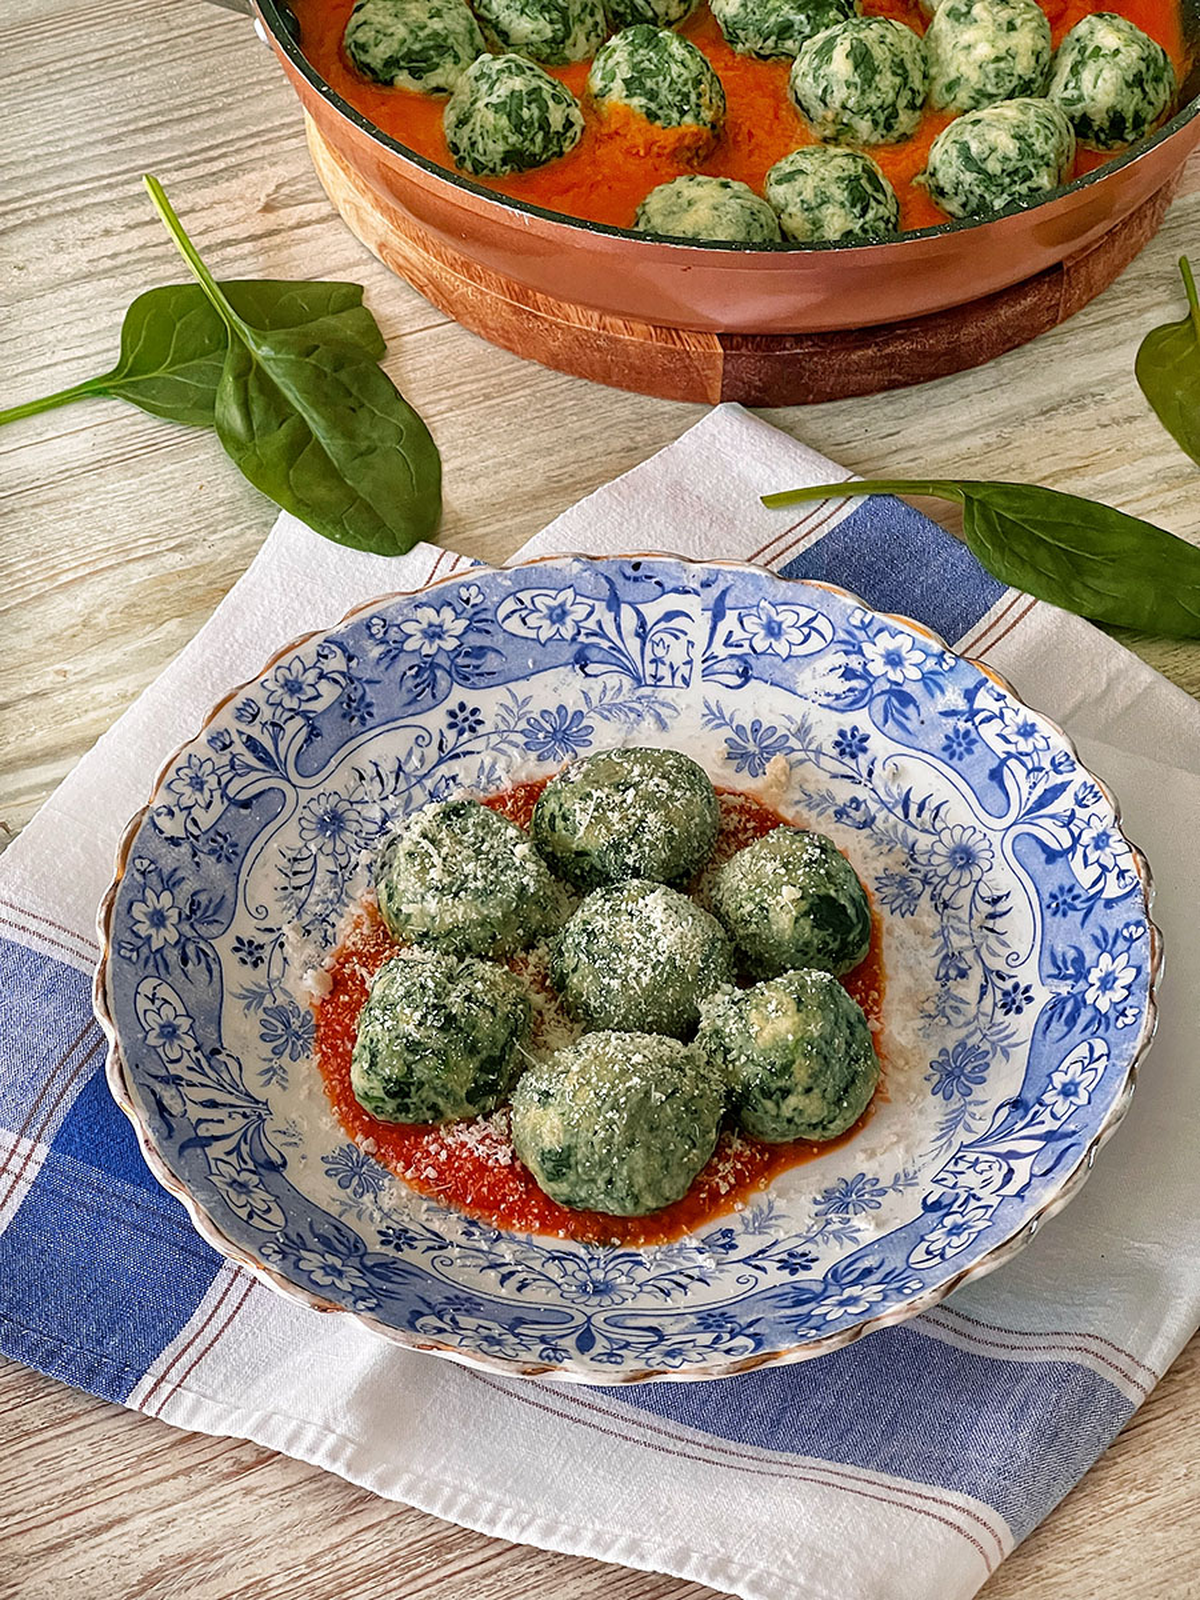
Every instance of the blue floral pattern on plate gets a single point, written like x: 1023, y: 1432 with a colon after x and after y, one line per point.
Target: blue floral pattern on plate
x: 1017, y: 941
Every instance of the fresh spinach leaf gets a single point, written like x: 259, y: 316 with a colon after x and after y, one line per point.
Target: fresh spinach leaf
x: 1168, y: 370
x: 173, y: 343
x: 319, y: 426
x: 1075, y: 553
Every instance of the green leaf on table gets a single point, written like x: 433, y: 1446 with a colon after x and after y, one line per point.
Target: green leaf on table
x: 1168, y: 370
x: 1075, y: 553
x: 174, y: 343
x: 317, y: 424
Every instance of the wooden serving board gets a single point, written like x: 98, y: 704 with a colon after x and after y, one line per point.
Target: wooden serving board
x: 771, y: 369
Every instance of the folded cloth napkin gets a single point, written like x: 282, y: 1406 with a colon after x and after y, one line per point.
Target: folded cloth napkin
x: 912, y: 1461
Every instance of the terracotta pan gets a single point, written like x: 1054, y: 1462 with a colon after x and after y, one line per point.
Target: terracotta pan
x: 735, y: 288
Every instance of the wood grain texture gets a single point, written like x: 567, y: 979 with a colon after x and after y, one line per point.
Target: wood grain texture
x: 118, y: 536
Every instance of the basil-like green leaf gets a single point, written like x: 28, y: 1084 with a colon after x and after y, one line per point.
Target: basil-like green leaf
x: 1075, y: 553
x: 173, y: 343
x: 1168, y: 370
x: 318, y: 426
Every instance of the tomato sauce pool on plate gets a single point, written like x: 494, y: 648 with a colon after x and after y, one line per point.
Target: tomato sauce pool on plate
x: 621, y: 157
x: 472, y: 1165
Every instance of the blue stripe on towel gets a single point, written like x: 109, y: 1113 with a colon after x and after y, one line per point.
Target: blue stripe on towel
x: 1016, y: 1435
x: 96, y: 1247
x: 45, y: 1018
x: 898, y: 560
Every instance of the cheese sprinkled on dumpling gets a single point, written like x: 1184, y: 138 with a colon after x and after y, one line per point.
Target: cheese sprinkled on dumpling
x: 796, y: 1053
x: 438, y: 1038
x: 461, y: 878
x: 619, y: 1122
x: 640, y: 957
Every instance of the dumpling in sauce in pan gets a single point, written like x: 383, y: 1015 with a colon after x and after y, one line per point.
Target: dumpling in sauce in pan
x: 507, y: 115
x: 982, y: 51
x: 825, y: 192
x: 658, y: 13
x: 1011, y: 154
x: 554, y: 31
x: 861, y: 82
x: 662, y: 77
x: 423, y: 45
x: 1112, y: 80
x: 698, y: 207
x: 770, y: 29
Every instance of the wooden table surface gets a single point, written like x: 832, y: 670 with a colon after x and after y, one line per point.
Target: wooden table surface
x: 120, y: 535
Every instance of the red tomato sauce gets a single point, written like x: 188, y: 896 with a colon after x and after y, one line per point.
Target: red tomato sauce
x: 621, y: 156
x: 472, y: 1165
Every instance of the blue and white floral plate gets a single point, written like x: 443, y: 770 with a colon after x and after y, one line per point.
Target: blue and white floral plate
x: 1019, y: 952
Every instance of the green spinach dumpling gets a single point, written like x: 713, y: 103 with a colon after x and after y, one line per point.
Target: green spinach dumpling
x: 791, y: 899
x: 507, y: 115
x: 424, y: 45
x: 770, y: 29
x: 461, y: 878
x: 825, y: 191
x: 981, y: 51
x: 861, y: 82
x: 659, y: 13
x: 439, y: 1038
x: 1113, y: 81
x: 619, y: 1122
x: 663, y: 77
x: 635, y: 813
x: 555, y: 31
x: 796, y: 1053
x: 697, y: 207
x: 640, y: 957
x: 1011, y: 154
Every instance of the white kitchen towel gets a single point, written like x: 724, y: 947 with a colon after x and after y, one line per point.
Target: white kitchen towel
x: 911, y: 1462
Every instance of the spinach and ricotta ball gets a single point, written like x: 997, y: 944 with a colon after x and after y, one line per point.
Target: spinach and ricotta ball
x: 825, y: 191
x: 791, y: 899
x: 861, y: 82
x: 640, y: 957
x: 619, y: 1122
x: 555, y: 31
x: 439, y: 1038
x: 507, y: 115
x: 770, y: 29
x: 1011, y: 154
x: 796, y: 1054
x: 981, y: 51
x: 1113, y: 81
x: 635, y: 813
x: 664, y: 78
x: 659, y: 13
x: 424, y: 45
x: 697, y: 207
x: 460, y: 878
